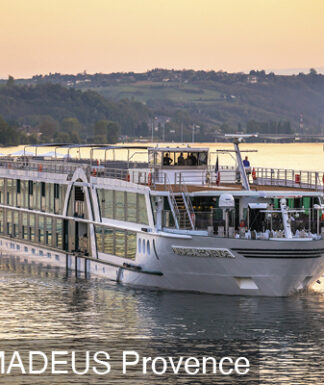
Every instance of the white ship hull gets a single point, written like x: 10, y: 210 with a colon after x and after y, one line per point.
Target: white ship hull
x: 224, y: 271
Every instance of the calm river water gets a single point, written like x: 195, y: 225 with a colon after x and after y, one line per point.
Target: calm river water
x: 46, y: 304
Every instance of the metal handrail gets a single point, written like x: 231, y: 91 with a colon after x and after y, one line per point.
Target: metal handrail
x: 289, y: 178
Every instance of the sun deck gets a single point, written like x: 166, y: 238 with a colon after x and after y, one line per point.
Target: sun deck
x: 231, y: 187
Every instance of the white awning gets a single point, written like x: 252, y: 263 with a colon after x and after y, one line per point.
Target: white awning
x: 258, y: 205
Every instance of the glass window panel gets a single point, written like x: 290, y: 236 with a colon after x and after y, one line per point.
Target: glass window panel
x: 24, y: 225
x: 131, y: 207
x: 1, y: 190
x: 59, y: 233
x: 32, y: 227
x: 120, y: 243
x: 49, y: 230
x: 41, y: 229
x: 120, y: 205
x: 142, y: 211
x: 9, y: 192
x: 108, y: 241
x: 15, y: 231
x: 9, y: 222
x: 131, y: 245
x: 98, y: 231
x: 1, y: 221
x: 109, y: 197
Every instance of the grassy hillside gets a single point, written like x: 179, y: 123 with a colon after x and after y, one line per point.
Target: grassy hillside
x: 214, y: 102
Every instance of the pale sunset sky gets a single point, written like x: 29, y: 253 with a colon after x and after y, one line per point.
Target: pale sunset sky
x: 69, y: 36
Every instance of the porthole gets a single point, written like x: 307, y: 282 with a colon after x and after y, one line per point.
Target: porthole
x: 139, y: 245
x: 148, y: 248
x: 143, y: 246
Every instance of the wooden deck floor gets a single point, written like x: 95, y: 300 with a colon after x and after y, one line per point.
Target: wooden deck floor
x: 231, y: 187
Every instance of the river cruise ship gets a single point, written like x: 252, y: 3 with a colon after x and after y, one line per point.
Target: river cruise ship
x: 173, y: 221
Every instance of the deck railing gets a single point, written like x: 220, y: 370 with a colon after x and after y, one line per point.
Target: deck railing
x: 298, y: 179
x: 288, y: 178
x: 60, y: 167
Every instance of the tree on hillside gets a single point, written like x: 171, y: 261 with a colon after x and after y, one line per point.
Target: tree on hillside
x: 71, y: 124
x: 106, y: 131
x: 10, y: 81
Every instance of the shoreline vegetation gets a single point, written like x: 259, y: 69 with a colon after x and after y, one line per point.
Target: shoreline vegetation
x: 168, y: 105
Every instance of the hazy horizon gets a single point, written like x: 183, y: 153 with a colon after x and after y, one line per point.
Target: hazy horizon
x: 136, y: 35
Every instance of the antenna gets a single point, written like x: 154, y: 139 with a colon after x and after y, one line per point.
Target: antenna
x: 237, y: 139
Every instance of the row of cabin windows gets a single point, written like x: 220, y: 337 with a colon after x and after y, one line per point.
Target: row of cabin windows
x: 41, y: 196
x: 116, y: 242
x: 123, y: 206
x: 31, y: 227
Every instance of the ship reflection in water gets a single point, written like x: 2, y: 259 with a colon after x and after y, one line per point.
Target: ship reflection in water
x: 45, y: 303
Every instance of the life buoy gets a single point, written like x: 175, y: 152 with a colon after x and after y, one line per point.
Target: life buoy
x: 40, y: 168
x: 254, y: 174
x: 149, y: 179
x: 127, y: 177
x: 297, y: 178
x: 94, y: 172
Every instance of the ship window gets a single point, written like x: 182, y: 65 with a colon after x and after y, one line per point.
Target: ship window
x: 41, y: 253
x: 32, y: 227
x: 9, y: 191
x: 131, y: 206
x: 57, y: 257
x: 106, y: 202
x: 56, y: 191
x: 98, y: 231
x: 1, y: 221
x: 131, y: 245
x: 120, y: 205
x: 24, y: 225
x: 9, y: 222
x: 41, y: 229
x: 48, y: 255
x: 139, y: 244
x: 26, y: 249
x: 15, y: 231
x: 33, y: 251
x: 2, y: 183
x: 148, y: 248
x: 49, y: 231
x: 30, y: 187
x: 120, y: 243
x: 18, y: 186
x: 143, y: 246
x: 142, y: 210
x: 59, y: 233
x: 108, y: 241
